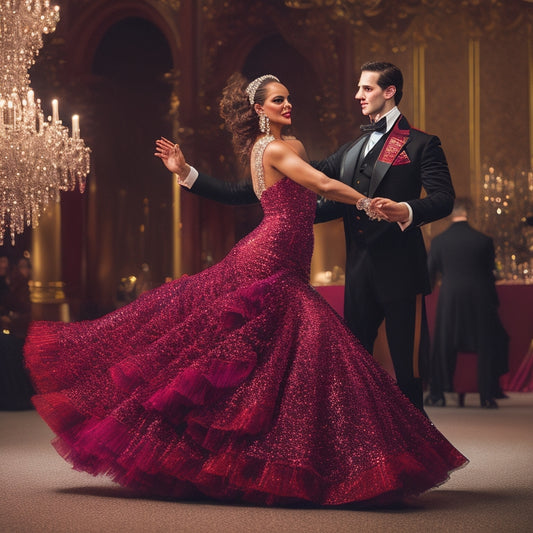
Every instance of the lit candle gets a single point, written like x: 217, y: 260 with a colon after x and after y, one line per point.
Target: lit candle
x: 75, y: 127
x: 10, y: 113
x: 55, y: 111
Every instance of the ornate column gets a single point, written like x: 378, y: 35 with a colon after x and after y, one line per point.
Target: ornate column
x: 178, y: 133
x: 46, y: 288
x: 176, y: 229
x: 419, y: 86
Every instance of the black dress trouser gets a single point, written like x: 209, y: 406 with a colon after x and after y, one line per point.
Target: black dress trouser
x: 405, y: 324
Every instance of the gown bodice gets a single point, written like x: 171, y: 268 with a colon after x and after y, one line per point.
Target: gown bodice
x: 284, y: 238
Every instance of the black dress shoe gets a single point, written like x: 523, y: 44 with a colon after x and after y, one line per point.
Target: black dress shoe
x: 489, y: 404
x: 500, y: 395
x: 435, y: 401
x: 461, y: 399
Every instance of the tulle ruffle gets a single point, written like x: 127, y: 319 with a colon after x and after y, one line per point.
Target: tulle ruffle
x: 202, y: 423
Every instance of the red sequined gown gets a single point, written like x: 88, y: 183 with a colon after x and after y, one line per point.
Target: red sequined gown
x: 239, y: 383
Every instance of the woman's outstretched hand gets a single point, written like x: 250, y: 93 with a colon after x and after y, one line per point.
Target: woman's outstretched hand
x: 172, y: 157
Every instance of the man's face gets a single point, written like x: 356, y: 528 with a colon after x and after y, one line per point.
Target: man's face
x: 374, y: 100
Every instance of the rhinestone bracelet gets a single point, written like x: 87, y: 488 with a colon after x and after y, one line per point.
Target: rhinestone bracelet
x: 363, y: 204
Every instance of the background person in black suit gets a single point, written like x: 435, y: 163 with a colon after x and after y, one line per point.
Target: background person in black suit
x: 15, y: 315
x: 467, y: 317
x: 386, y: 261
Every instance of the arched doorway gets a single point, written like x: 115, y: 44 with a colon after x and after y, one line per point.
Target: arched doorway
x: 129, y: 220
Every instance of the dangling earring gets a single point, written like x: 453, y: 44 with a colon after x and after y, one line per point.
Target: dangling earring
x: 264, y: 124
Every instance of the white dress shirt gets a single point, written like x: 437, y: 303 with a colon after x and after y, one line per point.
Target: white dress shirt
x: 391, y: 117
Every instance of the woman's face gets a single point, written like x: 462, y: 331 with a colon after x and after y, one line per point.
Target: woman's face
x: 277, y: 106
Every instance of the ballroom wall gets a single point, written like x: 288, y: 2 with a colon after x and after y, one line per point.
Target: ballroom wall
x: 137, y: 69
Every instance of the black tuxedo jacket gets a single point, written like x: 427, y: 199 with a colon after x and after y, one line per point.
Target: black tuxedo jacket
x: 468, y: 300
x: 467, y: 311
x: 465, y: 259
x: 410, y: 161
x: 398, y: 259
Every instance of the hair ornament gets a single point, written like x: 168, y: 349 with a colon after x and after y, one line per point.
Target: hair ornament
x: 254, y: 85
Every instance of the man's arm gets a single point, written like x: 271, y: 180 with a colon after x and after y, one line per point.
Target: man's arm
x: 437, y: 182
x: 331, y: 166
x: 327, y: 210
x: 435, y: 179
x: 434, y: 266
x: 239, y: 193
x: 202, y: 184
x: 242, y: 192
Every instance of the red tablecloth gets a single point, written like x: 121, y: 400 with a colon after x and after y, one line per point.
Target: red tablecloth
x: 516, y: 312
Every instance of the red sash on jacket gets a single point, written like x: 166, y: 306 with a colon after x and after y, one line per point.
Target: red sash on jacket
x: 393, y: 144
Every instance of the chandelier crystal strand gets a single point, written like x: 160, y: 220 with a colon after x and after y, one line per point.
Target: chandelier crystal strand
x: 38, y: 158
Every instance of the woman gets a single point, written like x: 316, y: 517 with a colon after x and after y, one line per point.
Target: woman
x: 240, y: 382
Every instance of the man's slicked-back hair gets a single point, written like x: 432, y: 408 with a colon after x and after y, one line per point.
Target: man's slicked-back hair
x: 389, y: 74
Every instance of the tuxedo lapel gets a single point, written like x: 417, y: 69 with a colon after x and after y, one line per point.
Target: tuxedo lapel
x: 396, y: 140
x: 349, y: 162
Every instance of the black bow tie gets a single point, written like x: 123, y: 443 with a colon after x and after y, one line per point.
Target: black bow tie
x: 380, y: 125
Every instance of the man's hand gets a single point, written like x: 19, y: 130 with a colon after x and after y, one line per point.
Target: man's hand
x: 172, y: 157
x: 389, y: 210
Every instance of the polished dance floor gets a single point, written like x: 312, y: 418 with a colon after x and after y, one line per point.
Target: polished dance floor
x: 494, y: 493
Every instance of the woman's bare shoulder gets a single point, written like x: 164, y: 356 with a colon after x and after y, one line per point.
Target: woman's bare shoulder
x: 297, y: 146
x: 285, y: 146
x: 292, y: 140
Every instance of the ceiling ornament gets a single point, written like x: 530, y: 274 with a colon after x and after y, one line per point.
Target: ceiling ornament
x: 393, y: 25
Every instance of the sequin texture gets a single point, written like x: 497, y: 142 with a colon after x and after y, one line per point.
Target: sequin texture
x: 239, y: 383
x: 257, y: 158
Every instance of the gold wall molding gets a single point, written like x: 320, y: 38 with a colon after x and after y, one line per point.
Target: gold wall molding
x: 530, y: 60
x: 177, y: 267
x: 474, y: 106
x: 394, y: 24
x: 419, y: 86
x: 172, y: 4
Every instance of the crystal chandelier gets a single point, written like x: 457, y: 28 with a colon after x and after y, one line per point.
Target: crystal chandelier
x: 38, y: 159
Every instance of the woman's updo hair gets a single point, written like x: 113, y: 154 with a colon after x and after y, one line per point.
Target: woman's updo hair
x: 239, y: 115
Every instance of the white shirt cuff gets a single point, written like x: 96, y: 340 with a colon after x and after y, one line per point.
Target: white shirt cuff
x: 404, y: 225
x: 189, y: 180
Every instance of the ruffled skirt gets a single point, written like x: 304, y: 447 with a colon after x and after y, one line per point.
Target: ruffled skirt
x: 256, y: 393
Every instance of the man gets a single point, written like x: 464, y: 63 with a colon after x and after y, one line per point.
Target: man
x: 467, y: 311
x: 386, y: 270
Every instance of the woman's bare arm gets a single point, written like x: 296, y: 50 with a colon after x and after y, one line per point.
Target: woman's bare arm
x: 282, y: 158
